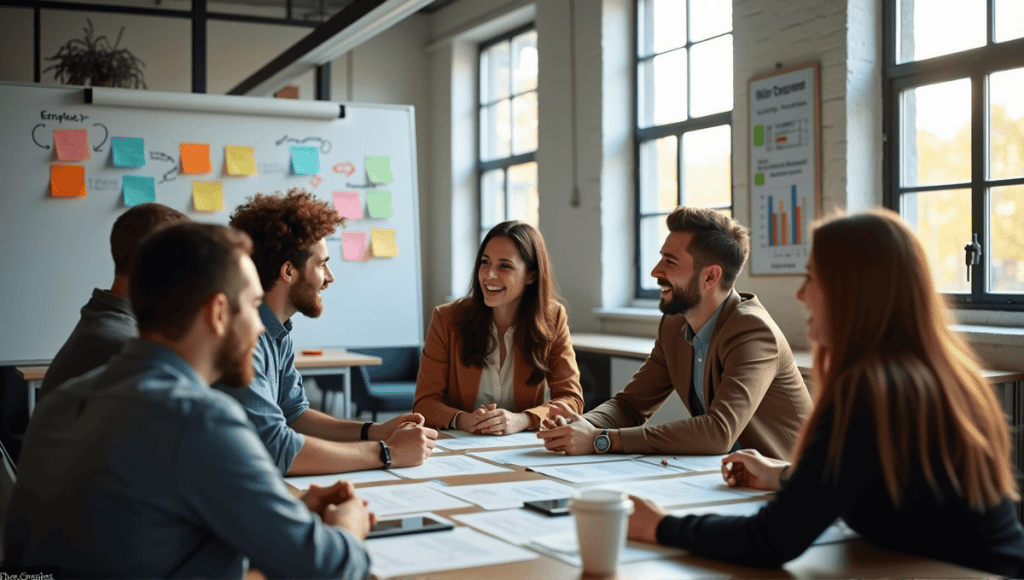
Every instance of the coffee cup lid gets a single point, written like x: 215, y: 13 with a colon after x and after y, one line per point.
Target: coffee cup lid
x: 600, y: 500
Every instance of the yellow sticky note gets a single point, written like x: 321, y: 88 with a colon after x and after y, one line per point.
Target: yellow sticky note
x: 208, y: 195
x: 67, y: 181
x: 195, y: 158
x: 382, y: 243
x: 240, y: 160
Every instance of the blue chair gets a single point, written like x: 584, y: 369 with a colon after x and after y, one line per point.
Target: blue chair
x: 388, y: 387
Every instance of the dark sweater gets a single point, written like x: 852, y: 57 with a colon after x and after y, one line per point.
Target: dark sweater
x: 810, y: 500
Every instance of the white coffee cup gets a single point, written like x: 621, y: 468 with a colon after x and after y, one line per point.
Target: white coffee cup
x: 602, y: 519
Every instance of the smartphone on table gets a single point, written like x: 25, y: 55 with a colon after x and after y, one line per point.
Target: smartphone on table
x: 551, y: 507
x: 407, y: 525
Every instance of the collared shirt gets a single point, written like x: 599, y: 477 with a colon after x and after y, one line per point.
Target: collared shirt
x: 107, y: 323
x: 275, y: 396
x: 496, y: 378
x: 700, y: 342
x: 140, y: 470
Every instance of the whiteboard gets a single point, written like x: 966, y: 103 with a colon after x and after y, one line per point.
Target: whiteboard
x: 55, y: 250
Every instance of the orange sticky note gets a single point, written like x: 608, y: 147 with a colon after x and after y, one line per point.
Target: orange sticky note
x: 195, y: 158
x: 71, y: 144
x: 67, y: 181
x: 240, y: 160
x: 208, y: 195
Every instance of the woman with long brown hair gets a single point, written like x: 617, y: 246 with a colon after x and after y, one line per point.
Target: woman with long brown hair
x: 488, y: 356
x: 907, y: 441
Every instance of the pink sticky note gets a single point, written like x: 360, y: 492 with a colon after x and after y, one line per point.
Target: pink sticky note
x: 348, y: 204
x: 71, y: 144
x: 354, y: 246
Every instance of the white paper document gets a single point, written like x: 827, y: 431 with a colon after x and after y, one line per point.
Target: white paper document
x: 675, y: 491
x: 518, y: 526
x: 434, y: 551
x: 687, y: 462
x: 446, y: 466
x: 714, y: 481
x: 588, y: 472
x: 410, y: 497
x: 531, y: 457
x: 837, y: 532
x: 368, y: 476
x: 565, y: 547
x: 512, y: 494
x: 465, y: 440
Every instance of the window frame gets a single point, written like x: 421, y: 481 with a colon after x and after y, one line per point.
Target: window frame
x: 504, y: 163
x: 975, y: 65
x: 677, y: 129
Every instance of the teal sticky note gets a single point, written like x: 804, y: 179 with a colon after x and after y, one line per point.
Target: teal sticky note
x: 378, y: 169
x: 305, y: 160
x: 128, y: 151
x: 379, y: 203
x: 138, y: 189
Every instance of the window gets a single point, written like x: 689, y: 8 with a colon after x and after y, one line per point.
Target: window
x: 683, y: 118
x: 955, y: 149
x: 507, y: 165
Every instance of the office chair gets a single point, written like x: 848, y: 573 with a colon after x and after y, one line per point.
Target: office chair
x: 388, y: 387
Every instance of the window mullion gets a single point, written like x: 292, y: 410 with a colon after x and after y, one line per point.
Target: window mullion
x: 979, y: 217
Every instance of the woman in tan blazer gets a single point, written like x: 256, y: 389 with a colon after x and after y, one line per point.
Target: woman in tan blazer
x: 488, y: 356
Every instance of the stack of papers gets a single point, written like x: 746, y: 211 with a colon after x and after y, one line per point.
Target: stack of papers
x: 463, y: 440
x: 434, y: 551
x: 446, y: 466
x: 512, y: 494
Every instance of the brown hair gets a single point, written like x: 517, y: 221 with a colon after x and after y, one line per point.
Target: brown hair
x: 534, y: 323
x: 283, y: 229
x: 717, y: 239
x: 177, y: 269
x: 889, y: 347
x: 137, y: 223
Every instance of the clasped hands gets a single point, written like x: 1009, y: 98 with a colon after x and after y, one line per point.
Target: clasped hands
x: 567, y: 431
x: 490, y: 420
x: 338, y: 505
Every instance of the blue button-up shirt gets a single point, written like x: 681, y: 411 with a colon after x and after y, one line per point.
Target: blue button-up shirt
x: 700, y: 342
x: 138, y: 469
x: 275, y: 397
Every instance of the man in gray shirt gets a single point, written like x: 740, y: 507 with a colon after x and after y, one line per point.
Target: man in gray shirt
x: 107, y: 319
x: 139, y: 469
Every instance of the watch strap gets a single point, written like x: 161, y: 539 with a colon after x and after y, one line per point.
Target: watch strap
x: 385, y: 455
x: 365, y: 433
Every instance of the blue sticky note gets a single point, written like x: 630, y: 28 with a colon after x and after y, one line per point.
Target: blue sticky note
x: 305, y: 160
x: 128, y: 151
x: 138, y: 189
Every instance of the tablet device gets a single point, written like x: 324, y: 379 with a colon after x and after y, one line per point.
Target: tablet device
x: 551, y: 507
x: 407, y: 525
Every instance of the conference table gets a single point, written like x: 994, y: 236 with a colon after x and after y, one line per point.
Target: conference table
x: 852, y: 557
x: 328, y: 361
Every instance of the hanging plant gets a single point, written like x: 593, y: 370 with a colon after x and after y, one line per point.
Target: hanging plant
x: 92, y: 61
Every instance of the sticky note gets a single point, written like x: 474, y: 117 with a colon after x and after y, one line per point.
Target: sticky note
x: 382, y: 243
x: 378, y: 169
x: 128, y: 151
x: 67, y: 181
x: 138, y: 189
x: 353, y: 246
x: 71, y: 144
x: 758, y: 135
x: 195, y: 158
x: 240, y: 160
x: 305, y: 160
x: 379, y: 203
x: 208, y: 195
x: 348, y: 204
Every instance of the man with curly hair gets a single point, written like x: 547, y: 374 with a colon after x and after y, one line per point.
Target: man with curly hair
x: 290, y: 251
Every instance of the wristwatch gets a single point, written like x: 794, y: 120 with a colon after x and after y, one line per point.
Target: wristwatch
x: 602, y: 443
x: 385, y: 455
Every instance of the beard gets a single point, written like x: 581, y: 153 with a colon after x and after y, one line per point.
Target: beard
x: 683, y: 299
x: 305, y: 297
x: 234, y: 361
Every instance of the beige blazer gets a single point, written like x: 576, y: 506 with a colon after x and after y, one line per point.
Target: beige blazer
x: 444, y: 386
x: 759, y: 396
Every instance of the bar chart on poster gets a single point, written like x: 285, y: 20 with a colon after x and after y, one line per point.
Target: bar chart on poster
x: 784, y: 165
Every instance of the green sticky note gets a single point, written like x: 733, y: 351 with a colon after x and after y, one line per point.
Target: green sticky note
x: 758, y: 135
x: 305, y: 160
x: 378, y: 169
x: 128, y: 151
x: 379, y: 203
x: 758, y: 179
x: 138, y: 189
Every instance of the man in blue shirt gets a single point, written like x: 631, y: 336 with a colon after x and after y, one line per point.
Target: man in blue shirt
x: 107, y: 321
x: 290, y: 252
x: 138, y: 469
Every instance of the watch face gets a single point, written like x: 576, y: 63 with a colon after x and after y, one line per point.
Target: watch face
x: 602, y: 443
